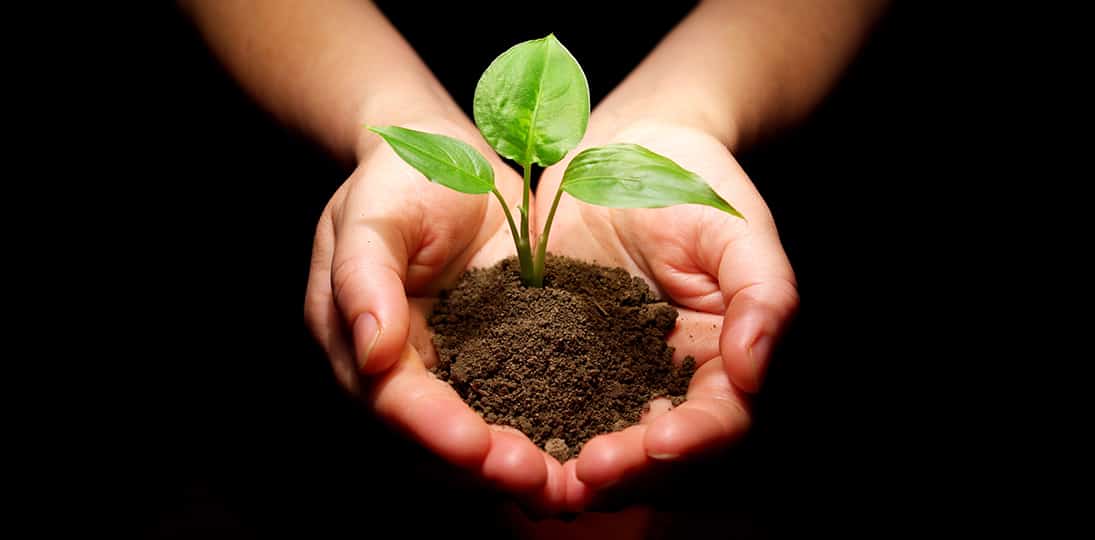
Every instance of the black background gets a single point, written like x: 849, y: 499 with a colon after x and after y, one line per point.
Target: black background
x: 227, y: 423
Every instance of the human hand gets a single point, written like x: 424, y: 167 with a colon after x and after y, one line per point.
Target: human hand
x: 729, y: 279
x: 386, y: 243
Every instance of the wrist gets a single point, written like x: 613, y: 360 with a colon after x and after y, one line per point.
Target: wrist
x: 425, y: 107
x: 690, y: 108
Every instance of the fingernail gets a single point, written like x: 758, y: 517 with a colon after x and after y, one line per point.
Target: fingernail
x: 366, y: 330
x: 664, y: 457
x: 758, y: 353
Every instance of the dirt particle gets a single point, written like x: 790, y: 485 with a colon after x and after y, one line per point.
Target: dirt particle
x: 563, y: 363
x: 557, y: 448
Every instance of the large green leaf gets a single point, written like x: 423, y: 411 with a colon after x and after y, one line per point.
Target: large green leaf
x: 445, y: 160
x: 630, y: 176
x: 532, y: 103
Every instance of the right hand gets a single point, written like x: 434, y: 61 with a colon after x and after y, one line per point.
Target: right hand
x: 386, y: 243
x: 730, y: 280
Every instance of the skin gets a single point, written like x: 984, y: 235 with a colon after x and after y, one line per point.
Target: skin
x: 388, y: 241
x: 734, y: 287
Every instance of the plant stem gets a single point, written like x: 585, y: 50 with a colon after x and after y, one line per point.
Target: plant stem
x: 524, y: 253
x: 524, y: 202
x: 509, y: 216
x: 524, y: 245
x: 541, y: 248
x: 524, y: 257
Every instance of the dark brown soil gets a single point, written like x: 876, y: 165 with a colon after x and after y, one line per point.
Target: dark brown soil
x: 580, y: 357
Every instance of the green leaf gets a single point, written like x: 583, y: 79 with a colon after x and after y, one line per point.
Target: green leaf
x: 532, y: 103
x: 444, y: 160
x: 630, y: 176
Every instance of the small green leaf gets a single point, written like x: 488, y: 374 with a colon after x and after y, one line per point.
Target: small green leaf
x: 532, y: 102
x: 444, y: 160
x: 630, y: 176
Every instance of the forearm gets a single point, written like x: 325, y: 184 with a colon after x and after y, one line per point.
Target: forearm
x: 741, y: 69
x: 326, y: 67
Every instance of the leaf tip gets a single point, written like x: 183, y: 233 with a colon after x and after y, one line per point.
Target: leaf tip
x: 732, y: 211
x: 726, y: 207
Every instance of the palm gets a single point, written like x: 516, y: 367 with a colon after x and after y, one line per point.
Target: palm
x: 389, y: 241
x: 698, y: 258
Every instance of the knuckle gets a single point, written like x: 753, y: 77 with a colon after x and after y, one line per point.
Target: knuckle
x: 787, y: 291
x: 346, y: 277
x: 780, y: 294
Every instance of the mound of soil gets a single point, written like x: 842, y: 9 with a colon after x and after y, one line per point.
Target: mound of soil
x: 579, y: 357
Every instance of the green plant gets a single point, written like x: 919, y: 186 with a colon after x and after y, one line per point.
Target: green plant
x: 532, y: 106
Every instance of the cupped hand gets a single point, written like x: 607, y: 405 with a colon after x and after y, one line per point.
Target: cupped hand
x: 386, y: 243
x: 729, y: 279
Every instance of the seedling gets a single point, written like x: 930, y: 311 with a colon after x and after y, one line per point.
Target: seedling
x: 532, y: 106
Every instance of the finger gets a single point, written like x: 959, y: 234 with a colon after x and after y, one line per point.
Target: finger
x: 430, y: 411
x: 578, y: 495
x: 368, y: 271
x: 513, y: 463
x: 608, y: 458
x: 713, y: 416
x: 320, y: 313
x: 758, y: 284
x: 554, y: 495
x: 757, y: 316
x: 551, y: 499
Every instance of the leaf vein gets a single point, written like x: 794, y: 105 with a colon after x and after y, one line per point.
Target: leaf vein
x: 536, y: 106
x: 434, y: 157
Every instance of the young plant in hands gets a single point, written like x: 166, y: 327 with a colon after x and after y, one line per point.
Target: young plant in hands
x: 532, y: 106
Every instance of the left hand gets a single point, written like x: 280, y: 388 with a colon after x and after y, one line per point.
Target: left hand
x: 729, y: 279
x: 387, y: 242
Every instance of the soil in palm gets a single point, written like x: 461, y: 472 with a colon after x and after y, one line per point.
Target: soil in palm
x: 579, y: 357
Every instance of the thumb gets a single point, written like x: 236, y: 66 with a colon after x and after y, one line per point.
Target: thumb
x: 368, y: 272
x: 759, y: 285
